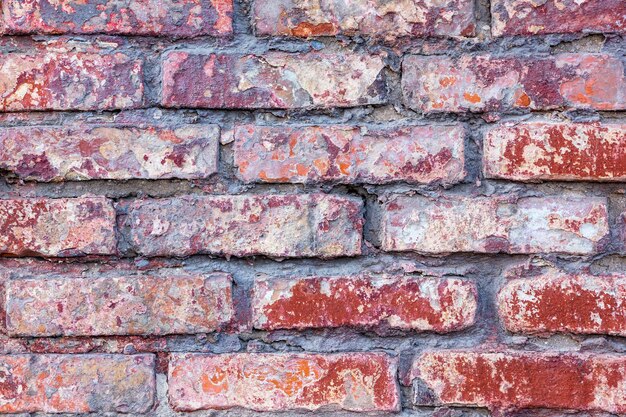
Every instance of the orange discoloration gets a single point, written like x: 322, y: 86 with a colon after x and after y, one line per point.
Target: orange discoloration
x: 305, y: 30
x: 472, y: 97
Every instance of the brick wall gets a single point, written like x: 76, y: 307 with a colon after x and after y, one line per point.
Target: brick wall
x: 393, y: 207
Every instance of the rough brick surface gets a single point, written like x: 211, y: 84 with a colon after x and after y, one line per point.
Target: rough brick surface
x: 57, y: 227
x: 130, y: 17
x: 530, y: 17
x: 556, y: 151
x: 76, y: 383
x: 118, y: 306
x: 489, y: 83
x: 274, y: 80
x: 516, y: 380
x: 491, y: 225
x: 85, y: 152
x: 273, y: 225
x: 557, y: 302
x: 377, y: 18
x: 427, y: 304
x: 68, y: 80
x: 271, y: 382
x: 350, y: 154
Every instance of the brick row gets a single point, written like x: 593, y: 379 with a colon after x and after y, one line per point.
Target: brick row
x: 99, y: 78
x: 298, y: 18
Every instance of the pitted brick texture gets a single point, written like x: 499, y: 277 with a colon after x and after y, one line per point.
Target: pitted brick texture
x: 480, y: 224
x: 556, y: 151
x: 77, y: 383
x: 147, y: 305
x: 85, y: 152
x: 68, y: 80
x: 271, y: 382
x: 57, y: 227
x: 350, y: 154
x: 315, y: 225
x: 516, y: 380
x: 488, y: 83
x: 377, y: 18
x: 128, y: 17
x: 561, y: 303
x: 273, y: 81
x: 244, y: 208
x: 529, y: 17
x: 427, y: 304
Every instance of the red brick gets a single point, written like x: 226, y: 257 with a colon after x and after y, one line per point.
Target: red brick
x: 76, y: 383
x: 305, y: 225
x: 275, y: 80
x: 529, y: 17
x: 388, y: 19
x: 278, y: 382
x: 127, y: 17
x: 70, y: 80
x: 57, y: 227
x: 517, y: 380
x: 350, y: 154
x: 425, y: 304
x: 85, y: 152
x: 556, y: 151
x: 130, y: 305
x: 557, y: 302
x: 486, y: 83
x: 495, y: 224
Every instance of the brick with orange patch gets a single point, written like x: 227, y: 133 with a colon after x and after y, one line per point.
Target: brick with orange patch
x: 280, y: 382
x: 489, y: 83
x: 350, y: 154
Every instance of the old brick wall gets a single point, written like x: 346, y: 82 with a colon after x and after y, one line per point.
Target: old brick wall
x: 268, y: 208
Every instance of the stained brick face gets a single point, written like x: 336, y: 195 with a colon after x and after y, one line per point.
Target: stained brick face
x: 270, y: 382
x: 325, y: 207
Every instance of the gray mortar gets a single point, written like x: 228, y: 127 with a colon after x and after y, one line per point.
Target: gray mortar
x: 486, y: 270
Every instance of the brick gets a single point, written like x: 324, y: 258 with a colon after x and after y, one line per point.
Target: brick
x: 557, y: 303
x: 129, y: 305
x: 313, y: 225
x: 516, y: 380
x: 86, y: 152
x: 127, y: 17
x: 77, y: 383
x: 350, y: 154
x: 529, y: 17
x: 487, y: 83
x: 556, y: 151
x: 68, y: 80
x: 275, y: 80
x: 278, y: 382
x: 495, y: 224
x: 57, y: 227
x: 388, y: 19
x: 424, y: 304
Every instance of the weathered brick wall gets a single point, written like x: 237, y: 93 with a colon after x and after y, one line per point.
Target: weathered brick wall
x: 390, y: 207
